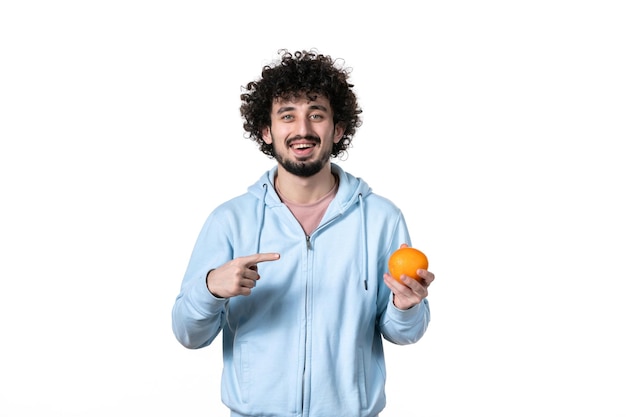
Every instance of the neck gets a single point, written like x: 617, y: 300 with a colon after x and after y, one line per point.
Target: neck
x: 304, y: 190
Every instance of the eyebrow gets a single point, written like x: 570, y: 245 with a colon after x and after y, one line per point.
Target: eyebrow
x: 284, y: 109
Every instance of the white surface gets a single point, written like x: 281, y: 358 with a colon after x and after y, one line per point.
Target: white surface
x: 498, y: 129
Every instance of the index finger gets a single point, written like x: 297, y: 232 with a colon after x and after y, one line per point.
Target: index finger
x: 427, y: 276
x: 259, y: 257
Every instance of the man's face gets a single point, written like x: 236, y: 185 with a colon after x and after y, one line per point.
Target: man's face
x: 302, y: 134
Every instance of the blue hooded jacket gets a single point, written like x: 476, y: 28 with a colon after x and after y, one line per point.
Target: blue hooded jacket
x: 308, y: 340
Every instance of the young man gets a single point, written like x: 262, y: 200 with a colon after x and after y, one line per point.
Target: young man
x: 294, y: 272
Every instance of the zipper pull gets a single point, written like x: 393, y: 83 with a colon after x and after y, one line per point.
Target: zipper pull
x: 308, y: 242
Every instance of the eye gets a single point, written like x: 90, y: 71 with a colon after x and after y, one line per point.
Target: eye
x: 317, y: 117
x: 286, y: 117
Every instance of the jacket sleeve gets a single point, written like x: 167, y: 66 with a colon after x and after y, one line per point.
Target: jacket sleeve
x: 404, y: 327
x: 197, y: 315
x: 401, y: 327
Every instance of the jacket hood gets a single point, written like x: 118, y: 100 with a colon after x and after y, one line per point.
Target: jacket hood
x: 351, y: 188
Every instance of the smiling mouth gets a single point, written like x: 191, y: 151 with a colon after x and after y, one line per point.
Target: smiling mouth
x: 303, y: 142
x: 300, y: 146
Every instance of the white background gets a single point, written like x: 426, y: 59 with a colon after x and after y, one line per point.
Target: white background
x: 498, y: 128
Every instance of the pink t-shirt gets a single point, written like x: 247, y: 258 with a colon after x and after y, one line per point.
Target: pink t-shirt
x: 310, y: 215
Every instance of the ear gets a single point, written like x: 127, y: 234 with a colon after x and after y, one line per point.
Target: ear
x: 266, y: 133
x: 339, y: 130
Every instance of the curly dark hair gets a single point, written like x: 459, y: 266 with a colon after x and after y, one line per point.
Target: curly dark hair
x: 302, y: 73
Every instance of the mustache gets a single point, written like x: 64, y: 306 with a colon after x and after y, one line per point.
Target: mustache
x: 312, y: 138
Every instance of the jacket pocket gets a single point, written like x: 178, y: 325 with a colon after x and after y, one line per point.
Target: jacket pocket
x: 244, y: 372
x: 362, y: 379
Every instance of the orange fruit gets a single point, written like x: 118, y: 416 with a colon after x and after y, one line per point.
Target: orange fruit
x: 406, y: 261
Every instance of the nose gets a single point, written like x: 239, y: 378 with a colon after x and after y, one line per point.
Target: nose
x: 303, y: 127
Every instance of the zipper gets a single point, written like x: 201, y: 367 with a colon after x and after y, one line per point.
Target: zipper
x: 306, y: 329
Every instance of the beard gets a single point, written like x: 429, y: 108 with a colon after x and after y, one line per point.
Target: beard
x: 303, y: 168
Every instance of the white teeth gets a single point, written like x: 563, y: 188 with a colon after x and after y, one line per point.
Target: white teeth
x: 302, y: 146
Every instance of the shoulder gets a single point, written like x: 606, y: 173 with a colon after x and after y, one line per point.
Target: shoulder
x: 380, y: 203
x: 239, y: 204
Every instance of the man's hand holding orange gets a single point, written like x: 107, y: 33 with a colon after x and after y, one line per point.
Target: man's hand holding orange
x: 408, y: 277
